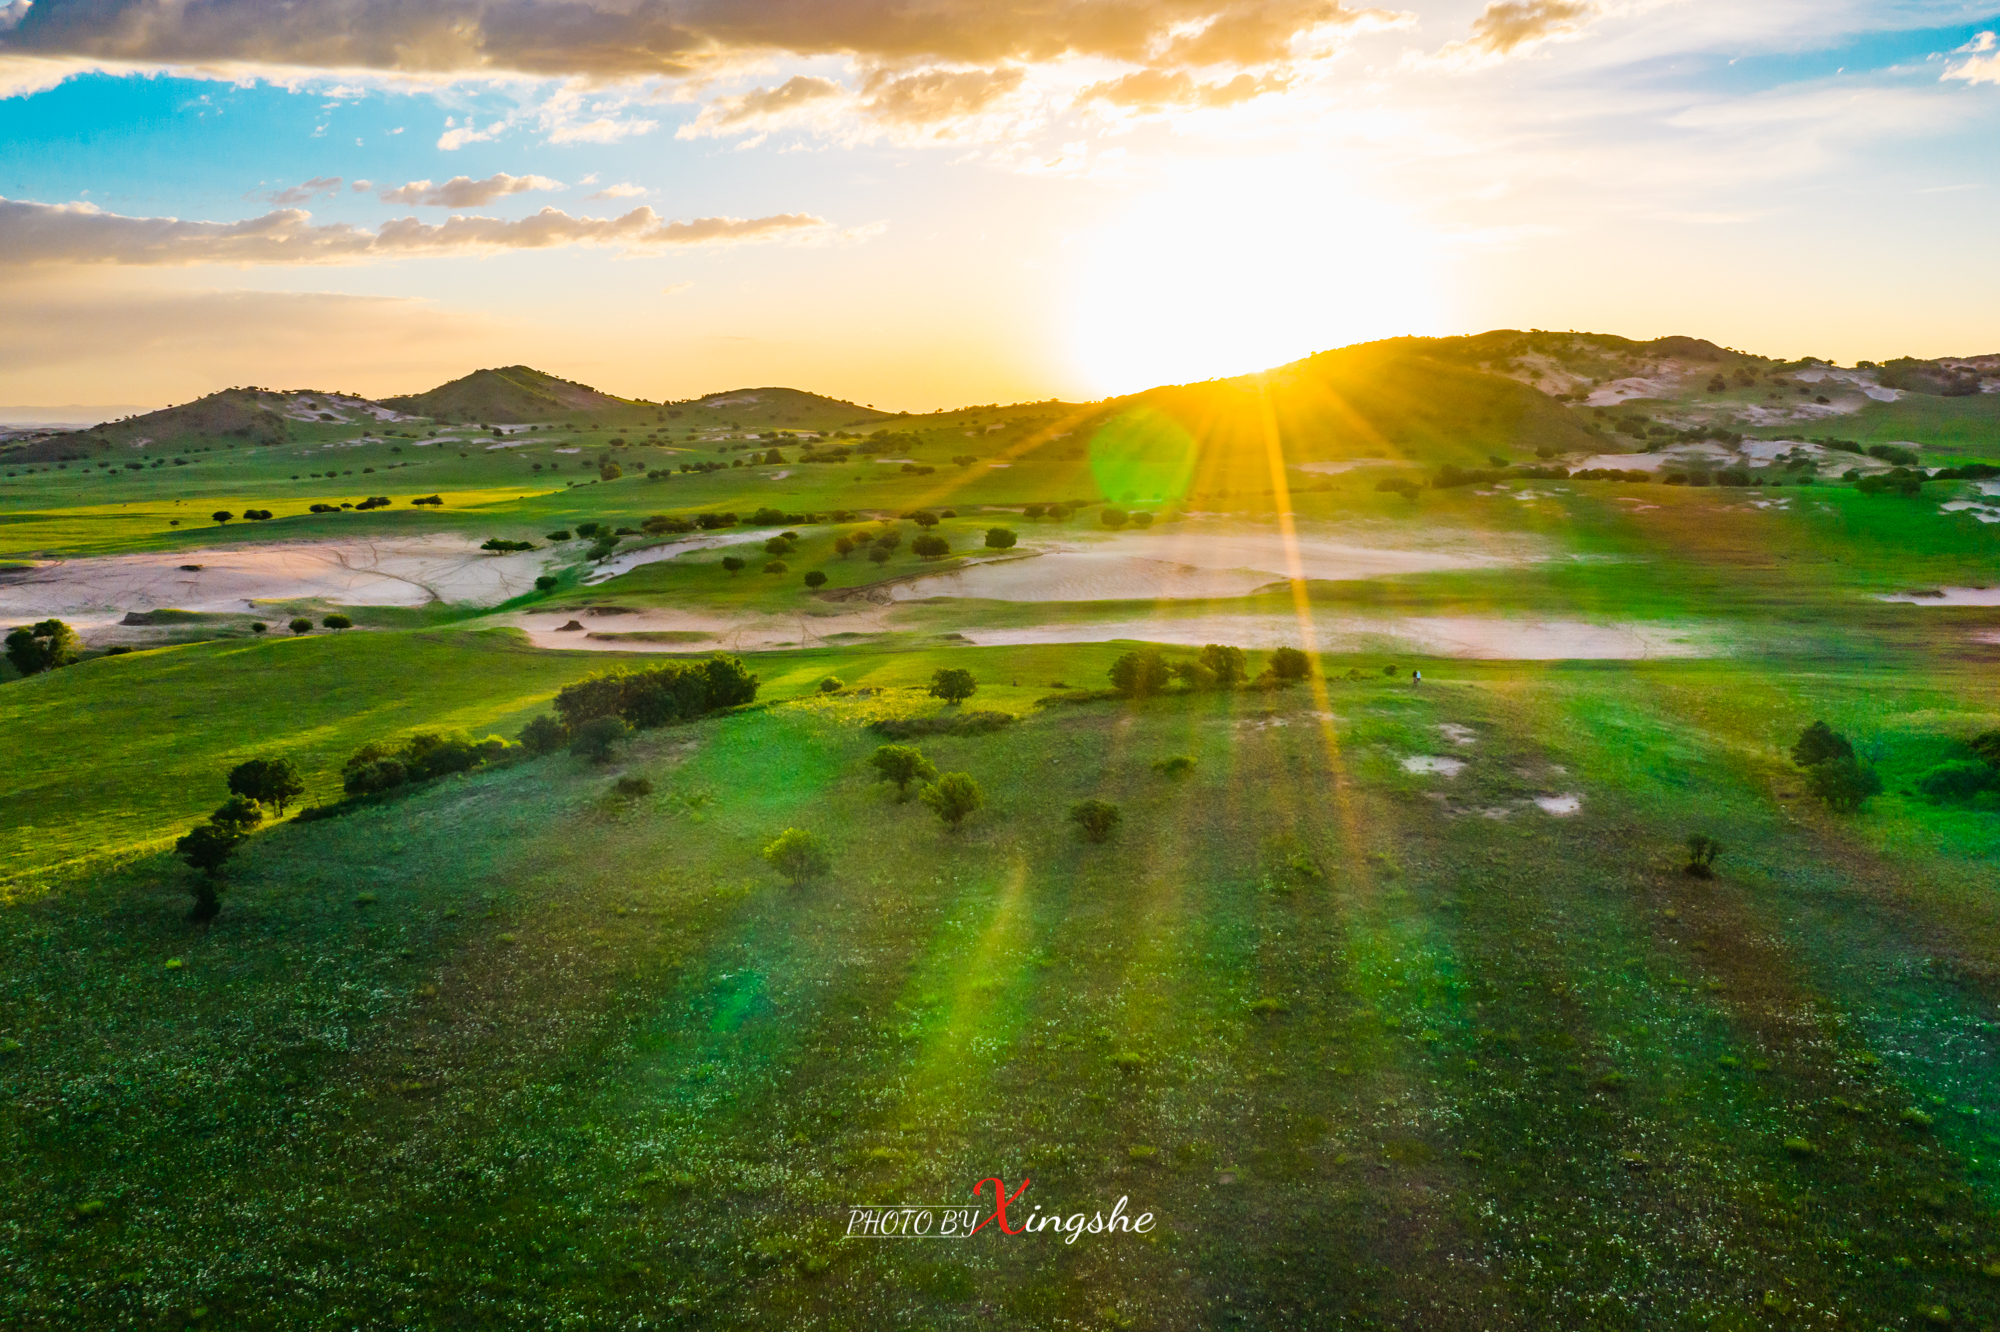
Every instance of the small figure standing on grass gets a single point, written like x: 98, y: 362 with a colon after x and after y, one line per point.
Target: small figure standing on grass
x: 1416, y: 678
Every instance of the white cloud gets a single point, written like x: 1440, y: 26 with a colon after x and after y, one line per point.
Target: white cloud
x: 465, y: 192
x: 618, y: 192
x: 1982, y: 67
x: 304, y: 193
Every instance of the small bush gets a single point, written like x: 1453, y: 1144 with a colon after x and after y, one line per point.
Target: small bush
x: 1000, y: 538
x: 901, y: 764
x: 1180, y: 765
x: 953, y: 685
x: 1960, y: 779
x: 544, y: 735
x: 598, y: 739
x: 815, y: 580
x: 301, y: 625
x: 955, y: 796
x: 337, y: 622
x: 1818, y: 743
x: 1845, y: 784
x: 1097, y: 818
x: 632, y: 787
x: 1702, y: 851
x: 798, y: 855
x: 831, y: 685
x: 1288, y: 663
x: 545, y: 583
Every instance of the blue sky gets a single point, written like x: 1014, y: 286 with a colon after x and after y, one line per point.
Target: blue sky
x: 989, y: 204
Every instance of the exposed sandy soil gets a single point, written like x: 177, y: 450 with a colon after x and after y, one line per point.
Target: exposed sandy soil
x: 667, y: 630
x: 1485, y: 637
x: 1448, y: 767
x: 408, y: 572
x: 1950, y: 596
x: 1197, y: 561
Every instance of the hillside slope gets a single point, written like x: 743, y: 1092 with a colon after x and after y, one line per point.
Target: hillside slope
x: 510, y: 395
x: 753, y: 408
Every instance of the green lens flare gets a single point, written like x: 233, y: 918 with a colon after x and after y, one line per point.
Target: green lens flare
x: 1142, y: 457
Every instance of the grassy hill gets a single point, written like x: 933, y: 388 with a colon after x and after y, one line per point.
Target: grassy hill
x: 761, y: 408
x: 510, y: 395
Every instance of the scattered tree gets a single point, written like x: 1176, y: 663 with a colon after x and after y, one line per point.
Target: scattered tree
x: 207, y: 848
x: 238, y: 814
x: 1097, y: 818
x: 1138, y: 674
x: 259, y: 627
x: 798, y: 855
x: 843, y: 546
x: 43, y: 646
x: 1702, y: 851
x: 925, y: 519
x: 1000, y: 538
x: 1113, y: 517
x: 878, y: 554
x: 732, y: 564
x: 301, y: 625
x: 1987, y: 746
x: 598, y: 739
x: 1819, y: 743
x: 274, y: 782
x: 545, y: 583
x: 544, y: 735
x: 831, y: 685
x: 222, y: 515
x: 337, y: 622
x: 1180, y: 765
x: 953, y: 685
x: 815, y: 580
x: 1288, y: 663
x: 902, y: 764
x: 777, y: 567
x: 954, y: 796
x: 1227, y: 664
x: 928, y: 547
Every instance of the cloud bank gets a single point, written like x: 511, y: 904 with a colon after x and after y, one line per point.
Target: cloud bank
x: 461, y: 191
x: 38, y: 234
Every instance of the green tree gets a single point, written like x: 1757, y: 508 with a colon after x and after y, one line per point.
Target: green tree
x: 1227, y: 664
x: 1845, y: 784
x: 301, y: 625
x: 1288, y: 663
x: 901, y: 764
x: 274, y: 782
x: 798, y: 855
x: 337, y: 622
x: 544, y: 735
x: 238, y: 814
x: 1113, y: 517
x: 777, y: 567
x: 878, y: 554
x: 953, y: 684
x: 1987, y: 745
x: 598, y: 739
x: 732, y: 564
x: 43, y: 646
x: 929, y: 547
x: 207, y: 848
x: 222, y: 515
x: 925, y: 519
x: 1702, y: 851
x: 545, y: 583
x: 1097, y: 818
x: 1818, y: 743
x: 1139, y: 674
x: 843, y: 546
x: 954, y: 796
x: 1000, y: 538
x: 815, y: 580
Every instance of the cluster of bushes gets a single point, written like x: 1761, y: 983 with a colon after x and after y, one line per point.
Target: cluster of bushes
x: 1965, y: 779
x: 954, y: 795
x: 374, y: 502
x: 654, y: 696
x: 500, y: 547
x: 376, y: 767
x: 43, y: 646
x: 1899, y: 481
x: 1833, y: 773
x: 209, y: 846
x: 1217, y: 666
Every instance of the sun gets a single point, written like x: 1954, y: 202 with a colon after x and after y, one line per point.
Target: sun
x: 1238, y: 269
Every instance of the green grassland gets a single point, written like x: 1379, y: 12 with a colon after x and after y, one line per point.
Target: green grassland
x: 1378, y: 1047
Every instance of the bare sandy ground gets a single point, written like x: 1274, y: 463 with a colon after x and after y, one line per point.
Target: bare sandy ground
x: 1483, y: 637
x: 407, y: 572
x: 727, y: 633
x: 1952, y: 596
x: 1196, y: 561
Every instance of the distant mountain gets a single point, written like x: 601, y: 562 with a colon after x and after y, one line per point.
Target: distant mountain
x: 759, y: 407
x: 510, y: 395
x: 236, y: 415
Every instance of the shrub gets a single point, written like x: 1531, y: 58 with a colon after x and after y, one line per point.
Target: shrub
x: 1097, y: 818
x: 301, y: 625
x: 732, y: 564
x: 1000, y: 538
x: 831, y: 685
x: 1818, y: 743
x: 372, y: 776
x: 238, y: 814
x: 815, y: 580
x: 1960, y: 779
x: 777, y: 567
x: 1142, y: 520
x: 43, y: 646
x: 598, y: 739
x: 978, y: 721
x: 1400, y: 485
x: 432, y: 754
x: 901, y: 764
x: 954, y: 796
x: 1113, y: 517
x: 1987, y: 746
x: 559, y: 535
x: 544, y: 735
x: 632, y: 787
x: 337, y: 622
x: 1702, y: 851
x: 878, y: 554
x: 1845, y: 784
x: 1227, y: 664
x: 207, y: 848
x: 1138, y: 674
x: 670, y: 692
x: 274, y: 782
x: 546, y: 583
x: 1193, y: 674
x: 1180, y: 765
x: 1288, y: 663
x: 496, y: 546
x: 930, y: 547
x: 798, y: 855
x: 953, y: 685
x: 258, y: 627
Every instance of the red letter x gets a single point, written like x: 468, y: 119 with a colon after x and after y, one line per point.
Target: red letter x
x: 1000, y: 1200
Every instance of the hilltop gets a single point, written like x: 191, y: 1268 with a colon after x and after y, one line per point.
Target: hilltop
x: 510, y: 395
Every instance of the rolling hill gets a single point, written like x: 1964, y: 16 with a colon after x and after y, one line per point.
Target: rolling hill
x: 510, y: 395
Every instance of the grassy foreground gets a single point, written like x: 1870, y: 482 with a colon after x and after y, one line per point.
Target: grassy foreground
x: 1376, y: 1047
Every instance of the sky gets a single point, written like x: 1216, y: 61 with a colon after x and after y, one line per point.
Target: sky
x: 935, y: 203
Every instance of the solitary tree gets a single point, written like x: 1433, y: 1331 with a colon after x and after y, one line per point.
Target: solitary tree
x: 274, y: 782
x: 301, y: 625
x: 1139, y: 674
x: 222, y: 515
x: 815, y: 580
x: 954, y: 796
x: 928, y: 547
x: 732, y: 564
x: 843, y: 546
x: 1845, y: 784
x: 598, y: 739
x: 1113, y: 517
x: 1226, y: 664
x: 1096, y: 817
x: 798, y: 855
x: 1702, y: 851
x: 337, y: 622
x: 901, y: 764
x: 953, y: 684
x: 207, y: 847
x: 1819, y: 743
x: 42, y: 646
x: 1000, y: 538
x: 1288, y: 663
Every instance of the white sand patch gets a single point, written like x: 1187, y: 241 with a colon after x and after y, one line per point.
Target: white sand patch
x: 1426, y: 763
x: 1950, y: 596
x: 1985, y: 513
x: 776, y: 476
x: 1620, y: 390
x: 507, y: 444
x: 895, y: 460
x: 632, y: 559
x: 1561, y: 806
x: 1457, y: 734
x: 569, y: 450
x: 1348, y: 465
x: 1198, y: 561
x: 410, y: 571
x: 722, y: 633
x: 1624, y: 462
x: 1485, y: 638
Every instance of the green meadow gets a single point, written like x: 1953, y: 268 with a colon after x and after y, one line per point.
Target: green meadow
x: 1391, y: 1005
